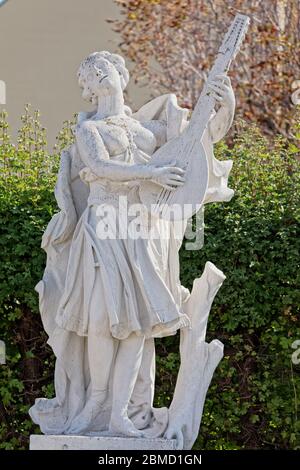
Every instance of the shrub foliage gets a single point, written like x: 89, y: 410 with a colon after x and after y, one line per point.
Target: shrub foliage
x: 253, y: 399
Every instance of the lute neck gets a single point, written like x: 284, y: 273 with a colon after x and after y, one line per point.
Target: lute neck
x: 206, y: 103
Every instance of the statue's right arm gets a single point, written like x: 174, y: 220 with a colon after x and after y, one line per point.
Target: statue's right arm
x: 95, y: 156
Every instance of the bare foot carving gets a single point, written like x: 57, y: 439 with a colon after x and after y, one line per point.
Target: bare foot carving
x: 122, y: 425
x: 83, y: 421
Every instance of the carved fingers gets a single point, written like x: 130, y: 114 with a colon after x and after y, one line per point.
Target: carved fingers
x: 220, y: 88
x: 170, y: 177
x: 224, y: 79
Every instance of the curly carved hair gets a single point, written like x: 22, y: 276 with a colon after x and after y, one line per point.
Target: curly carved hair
x: 118, y: 62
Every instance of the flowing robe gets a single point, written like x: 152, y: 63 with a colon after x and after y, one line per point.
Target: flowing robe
x: 72, y: 378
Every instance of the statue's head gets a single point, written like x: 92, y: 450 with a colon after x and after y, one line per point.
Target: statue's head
x: 102, y: 73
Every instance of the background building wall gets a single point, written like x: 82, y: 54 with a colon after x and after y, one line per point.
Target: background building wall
x: 41, y: 45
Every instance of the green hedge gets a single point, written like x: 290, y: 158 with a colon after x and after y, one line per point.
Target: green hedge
x: 254, y: 239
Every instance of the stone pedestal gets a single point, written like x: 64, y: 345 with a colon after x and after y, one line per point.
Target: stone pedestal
x: 41, y: 442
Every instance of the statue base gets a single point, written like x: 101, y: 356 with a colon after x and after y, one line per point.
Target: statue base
x: 42, y: 442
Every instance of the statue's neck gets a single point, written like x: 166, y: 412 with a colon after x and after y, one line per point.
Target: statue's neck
x: 110, y: 105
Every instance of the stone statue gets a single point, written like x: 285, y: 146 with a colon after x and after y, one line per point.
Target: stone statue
x: 103, y: 300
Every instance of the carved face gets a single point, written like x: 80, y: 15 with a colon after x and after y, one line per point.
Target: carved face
x: 99, y: 79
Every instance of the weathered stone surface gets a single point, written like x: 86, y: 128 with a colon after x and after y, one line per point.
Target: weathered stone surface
x: 108, y: 290
x: 38, y: 442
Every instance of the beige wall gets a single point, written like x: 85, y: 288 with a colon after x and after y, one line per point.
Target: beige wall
x: 41, y: 45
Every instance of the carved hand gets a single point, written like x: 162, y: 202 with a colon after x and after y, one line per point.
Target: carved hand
x: 221, y: 89
x: 170, y: 177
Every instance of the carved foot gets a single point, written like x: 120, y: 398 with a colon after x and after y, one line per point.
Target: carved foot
x: 122, y: 425
x: 83, y: 421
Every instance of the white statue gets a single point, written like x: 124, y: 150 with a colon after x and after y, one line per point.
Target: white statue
x: 103, y: 301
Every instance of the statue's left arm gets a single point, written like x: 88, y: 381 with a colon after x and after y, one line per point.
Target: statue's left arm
x: 222, y: 91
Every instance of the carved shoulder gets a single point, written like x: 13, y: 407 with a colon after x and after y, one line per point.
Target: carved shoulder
x: 90, y: 144
x: 84, y: 128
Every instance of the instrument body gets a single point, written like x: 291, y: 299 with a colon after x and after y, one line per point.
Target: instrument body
x: 187, y: 149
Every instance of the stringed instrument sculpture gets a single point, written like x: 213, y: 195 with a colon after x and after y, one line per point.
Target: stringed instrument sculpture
x: 187, y: 149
